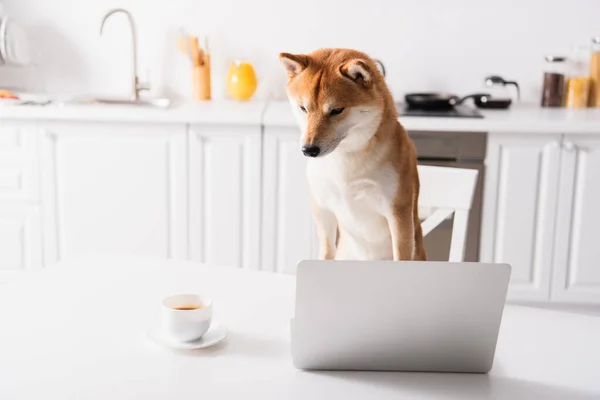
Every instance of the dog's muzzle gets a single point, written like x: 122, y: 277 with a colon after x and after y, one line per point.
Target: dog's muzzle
x: 311, y: 151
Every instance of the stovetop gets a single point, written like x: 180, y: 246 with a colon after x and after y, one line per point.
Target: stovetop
x: 460, y: 111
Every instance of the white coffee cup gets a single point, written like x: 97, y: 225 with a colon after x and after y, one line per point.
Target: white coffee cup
x: 186, y: 325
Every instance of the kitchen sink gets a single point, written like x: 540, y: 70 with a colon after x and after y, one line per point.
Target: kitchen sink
x: 159, y: 102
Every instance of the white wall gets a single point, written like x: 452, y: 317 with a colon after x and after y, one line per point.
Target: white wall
x: 425, y: 45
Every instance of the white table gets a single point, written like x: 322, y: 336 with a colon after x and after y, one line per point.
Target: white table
x: 78, y: 331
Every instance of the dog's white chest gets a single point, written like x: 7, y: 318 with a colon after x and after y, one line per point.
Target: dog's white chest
x: 360, y: 198
x: 359, y: 195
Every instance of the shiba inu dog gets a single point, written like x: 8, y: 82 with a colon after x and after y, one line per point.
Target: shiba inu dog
x: 362, y: 167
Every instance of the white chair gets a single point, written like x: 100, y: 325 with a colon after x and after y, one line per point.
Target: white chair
x: 447, y: 191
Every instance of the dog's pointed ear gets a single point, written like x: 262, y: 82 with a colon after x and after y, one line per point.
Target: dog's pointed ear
x: 293, y: 63
x: 359, y: 71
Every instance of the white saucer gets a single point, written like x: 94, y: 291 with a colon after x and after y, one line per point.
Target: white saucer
x: 215, y: 334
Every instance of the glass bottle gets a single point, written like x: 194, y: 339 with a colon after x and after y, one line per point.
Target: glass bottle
x: 578, y: 81
x: 594, y: 100
x: 554, y: 81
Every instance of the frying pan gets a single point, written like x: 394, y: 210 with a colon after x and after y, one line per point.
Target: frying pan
x: 490, y: 103
x: 439, y: 101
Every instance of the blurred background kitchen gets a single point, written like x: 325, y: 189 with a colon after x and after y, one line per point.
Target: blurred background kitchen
x: 180, y: 143
x: 434, y: 45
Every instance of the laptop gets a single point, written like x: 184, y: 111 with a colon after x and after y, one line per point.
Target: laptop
x: 398, y: 316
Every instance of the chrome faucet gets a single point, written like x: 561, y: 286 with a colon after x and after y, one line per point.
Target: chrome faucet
x: 137, y: 86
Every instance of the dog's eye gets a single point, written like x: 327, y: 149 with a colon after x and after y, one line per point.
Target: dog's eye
x: 303, y: 108
x: 336, y: 111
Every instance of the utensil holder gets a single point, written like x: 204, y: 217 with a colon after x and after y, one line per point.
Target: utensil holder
x: 201, y: 80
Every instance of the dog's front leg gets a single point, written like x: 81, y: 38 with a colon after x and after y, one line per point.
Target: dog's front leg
x: 402, y: 230
x: 326, y: 231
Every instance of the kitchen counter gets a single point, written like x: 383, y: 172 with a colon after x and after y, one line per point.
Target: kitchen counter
x: 216, y: 112
x: 523, y: 119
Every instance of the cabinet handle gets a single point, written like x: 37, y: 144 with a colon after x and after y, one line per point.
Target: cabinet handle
x: 569, y: 146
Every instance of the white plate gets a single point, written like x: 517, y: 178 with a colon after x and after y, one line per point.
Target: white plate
x: 215, y: 334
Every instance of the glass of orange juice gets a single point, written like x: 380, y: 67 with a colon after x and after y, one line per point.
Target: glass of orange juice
x: 241, y: 80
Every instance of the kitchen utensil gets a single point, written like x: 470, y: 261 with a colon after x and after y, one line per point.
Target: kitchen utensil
x: 496, y: 80
x: 436, y: 101
x: 460, y: 111
x: 431, y: 101
x: 182, y: 46
x: 200, y: 59
x: 206, y: 48
x: 195, y: 51
x: 490, y: 102
x: 189, y: 46
x: 200, y: 56
x: 183, y: 42
x: 554, y: 81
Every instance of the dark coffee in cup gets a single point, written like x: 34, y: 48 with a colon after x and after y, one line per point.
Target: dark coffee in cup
x: 188, y: 307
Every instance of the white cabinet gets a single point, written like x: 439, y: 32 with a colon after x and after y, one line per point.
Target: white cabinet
x: 520, y: 194
x: 542, y: 215
x: 236, y: 194
x: 114, y: 188
x: 20, y: 238
x: 18, y: 162
x: 20, y: 228
x: 224, y: 187
x: 576, y: 274
x: 288, y: 230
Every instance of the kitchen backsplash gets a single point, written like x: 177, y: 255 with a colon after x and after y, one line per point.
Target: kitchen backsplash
x: 429, y: 45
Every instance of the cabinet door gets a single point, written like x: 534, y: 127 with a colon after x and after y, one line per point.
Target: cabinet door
x: 18, y: 162
x: 225, y: 195
x: 520, y: 193
x: 577, y: 255
x: 114, y: 188
x: 288, y: 234
x: 20, y: 239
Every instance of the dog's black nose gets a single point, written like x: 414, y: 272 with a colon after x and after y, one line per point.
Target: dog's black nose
x: 310, y: 150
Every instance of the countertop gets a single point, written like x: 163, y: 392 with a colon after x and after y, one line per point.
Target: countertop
x: 213, y: 112
x: 518, y: 119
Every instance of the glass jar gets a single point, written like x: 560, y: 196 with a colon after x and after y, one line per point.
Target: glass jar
x: 594, y: 100
x: 554, y: 81
x: 578, y: 81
